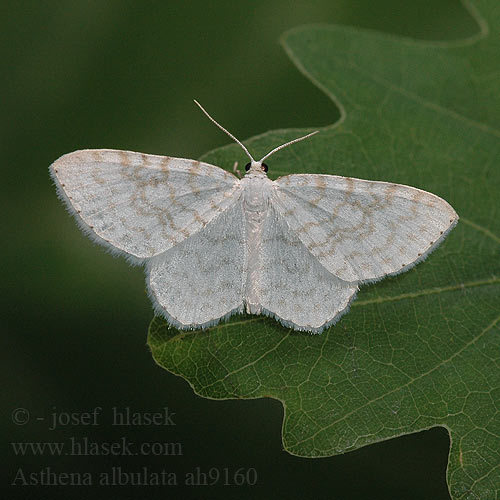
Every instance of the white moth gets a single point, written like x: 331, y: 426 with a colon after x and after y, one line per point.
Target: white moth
x: 212, y: 244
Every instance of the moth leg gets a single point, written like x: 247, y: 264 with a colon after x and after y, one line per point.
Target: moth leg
x: 236, y: 170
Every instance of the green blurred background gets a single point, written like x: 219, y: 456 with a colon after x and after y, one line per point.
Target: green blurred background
x: 122, y: 74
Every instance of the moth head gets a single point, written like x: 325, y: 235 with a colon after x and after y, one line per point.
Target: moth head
x: 255, y: 167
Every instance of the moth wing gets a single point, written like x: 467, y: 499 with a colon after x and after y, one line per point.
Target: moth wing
x: 362, y: 230
x: 141, y: 204
x: 293, y: 286
x: 201, y: 280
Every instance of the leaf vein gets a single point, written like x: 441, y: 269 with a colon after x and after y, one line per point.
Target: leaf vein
x: 407, y: 384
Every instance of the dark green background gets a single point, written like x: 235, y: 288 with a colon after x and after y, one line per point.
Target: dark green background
x: 123, y: 75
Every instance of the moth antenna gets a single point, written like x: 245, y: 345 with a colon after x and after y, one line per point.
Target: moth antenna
x: 224, y: 130
x: 288, y: 144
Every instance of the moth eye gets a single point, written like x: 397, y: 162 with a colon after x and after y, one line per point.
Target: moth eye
x: 247, y: 167
x: 265, y: 167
